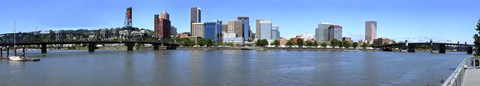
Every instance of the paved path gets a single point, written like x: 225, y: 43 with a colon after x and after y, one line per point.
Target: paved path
x: 471, y: 77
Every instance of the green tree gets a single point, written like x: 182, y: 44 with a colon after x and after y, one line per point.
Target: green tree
x: 423, y: 47
x: 262, y: 42
x: 139, y: 45
x: 315, y: 43
x: 355, y: 45
x: 300, y: 42
x: 340, y: 44
x: 220, y: 43
x: 324, y: 44
x: 365, y: 45
x: 477, y: 38
x: 276, y: 43
x: 258, y: 43
x: 201, y: 41
x: 347, y: 44
x: 229, y: 44
x: 186, y: 42
x: 217, y: 43
x: 309, y: 43
x: 334, y: 43
x: 289, y: 43
x: 373, y: 46
x: 209, y: 42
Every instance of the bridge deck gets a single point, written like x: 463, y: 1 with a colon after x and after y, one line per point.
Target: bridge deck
x: 471, y: 77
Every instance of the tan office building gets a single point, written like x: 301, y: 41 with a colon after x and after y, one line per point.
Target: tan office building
x: 198, y: 30
x: 370, y: 31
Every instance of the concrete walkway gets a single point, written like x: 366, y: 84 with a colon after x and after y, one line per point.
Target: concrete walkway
x: 471, y: 77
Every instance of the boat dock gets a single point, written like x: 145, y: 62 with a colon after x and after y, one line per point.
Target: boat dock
x: 466, y: 74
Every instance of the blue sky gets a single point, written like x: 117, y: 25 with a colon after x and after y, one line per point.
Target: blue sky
x: 413, y: 20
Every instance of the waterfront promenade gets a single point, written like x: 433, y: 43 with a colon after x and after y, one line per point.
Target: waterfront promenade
x: 464, y: 75
x: 471, y: 77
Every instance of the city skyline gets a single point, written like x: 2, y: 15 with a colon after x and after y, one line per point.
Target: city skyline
x: 421, y: 21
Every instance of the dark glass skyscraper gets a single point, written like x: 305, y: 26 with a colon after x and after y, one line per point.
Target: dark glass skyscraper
x: 335, y: 32
x: 195, y: 17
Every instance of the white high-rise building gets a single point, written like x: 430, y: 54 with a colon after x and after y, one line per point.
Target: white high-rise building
x: 264, y: 29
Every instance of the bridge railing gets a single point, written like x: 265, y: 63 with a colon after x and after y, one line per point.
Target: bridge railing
x: 456, y: 78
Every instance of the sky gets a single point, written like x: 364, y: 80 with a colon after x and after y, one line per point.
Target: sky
x: 413, y: 20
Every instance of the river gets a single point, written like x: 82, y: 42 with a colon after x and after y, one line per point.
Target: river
x: 229, y: 67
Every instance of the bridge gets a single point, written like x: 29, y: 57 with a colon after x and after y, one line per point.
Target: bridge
x: 92, y: 43
x: 433, y: 46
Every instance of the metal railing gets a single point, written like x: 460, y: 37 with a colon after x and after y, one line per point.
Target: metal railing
x: 456, y: 78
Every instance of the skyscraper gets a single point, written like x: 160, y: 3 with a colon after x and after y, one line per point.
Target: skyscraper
x: 128, y: 18
x: 264, y: 29
x: 195, y: 17
x: 173, y: 31
x: 321, y: 32
x: 213, y: 30
x: 235, y: 26
x: 370, y: 30
x: 156, y: 22
x: 165, y: 25
x: 334, y: 32
x: 246, y: 27
x: 275, y: 32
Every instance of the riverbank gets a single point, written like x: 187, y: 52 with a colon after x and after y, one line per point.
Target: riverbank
x: 320, y: 49
x: 275, y: 48
x: 240, y: 48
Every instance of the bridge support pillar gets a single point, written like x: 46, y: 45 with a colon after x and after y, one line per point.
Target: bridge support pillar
x: 91, y: 47
x: 469, y: 50
x: 442, y: 48
x: 130, y: 46
x: 23, y: 51
x: 156, y: 46
x: 44, y: 48
x: 411, y: 49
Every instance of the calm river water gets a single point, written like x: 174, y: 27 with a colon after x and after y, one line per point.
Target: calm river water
x: 229, y: 67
